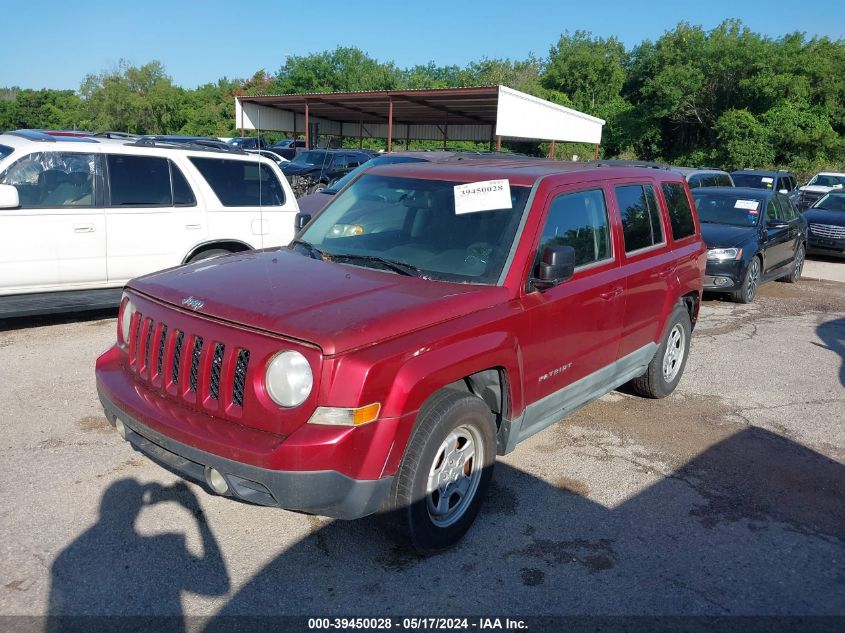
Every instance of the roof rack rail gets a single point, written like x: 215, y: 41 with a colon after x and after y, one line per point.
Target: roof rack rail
x: 616, y: 162
x: 117, y: 135
x: 150, y: 142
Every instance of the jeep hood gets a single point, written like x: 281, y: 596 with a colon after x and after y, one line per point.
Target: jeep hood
x: 335, y: 306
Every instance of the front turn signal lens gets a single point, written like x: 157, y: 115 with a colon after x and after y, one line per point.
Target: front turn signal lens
x: 337, y: 416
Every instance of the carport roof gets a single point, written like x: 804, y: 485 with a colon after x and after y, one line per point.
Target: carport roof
x: 460, y: 105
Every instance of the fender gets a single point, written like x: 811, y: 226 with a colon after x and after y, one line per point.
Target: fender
x: 425, y: 373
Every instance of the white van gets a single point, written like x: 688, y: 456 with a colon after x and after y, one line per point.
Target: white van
x: 81, y: 216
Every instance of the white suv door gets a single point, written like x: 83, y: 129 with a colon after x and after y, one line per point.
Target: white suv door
x: 56, y: 239
x: 152, y: 215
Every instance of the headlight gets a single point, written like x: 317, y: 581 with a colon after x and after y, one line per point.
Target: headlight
x: 723, y: 254
x: 288, y: 379
x: 127, y: 310
x: 345, y: 230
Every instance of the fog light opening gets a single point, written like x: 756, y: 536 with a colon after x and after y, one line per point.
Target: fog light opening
x: 216, y: 481
x: 121, y: 428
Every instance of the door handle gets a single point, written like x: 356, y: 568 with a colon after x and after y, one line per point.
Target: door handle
x: 666, y: 272
x: 610, y: 294
x: 83, y: 228
x: 193, y: 227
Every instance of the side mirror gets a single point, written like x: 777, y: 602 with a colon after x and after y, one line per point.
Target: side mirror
x: 557, y: 265
x: 301, y: 220
x: 9, y: 198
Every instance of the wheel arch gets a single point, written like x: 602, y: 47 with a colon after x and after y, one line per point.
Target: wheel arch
x: 233, y: 246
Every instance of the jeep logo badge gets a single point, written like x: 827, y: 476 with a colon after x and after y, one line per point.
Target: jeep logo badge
x: 193, y: 304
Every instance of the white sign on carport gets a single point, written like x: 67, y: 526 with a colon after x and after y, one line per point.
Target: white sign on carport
x: 485, y: 113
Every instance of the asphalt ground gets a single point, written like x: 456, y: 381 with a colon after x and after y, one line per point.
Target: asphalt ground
x: 727, y: 498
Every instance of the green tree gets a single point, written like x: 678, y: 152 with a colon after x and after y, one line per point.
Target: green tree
x: 135, y: 99
x: 742, y: 141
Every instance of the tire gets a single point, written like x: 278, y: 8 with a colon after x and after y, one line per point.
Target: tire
x: 750, y: 283
x: 427, y: 519
x: 209, y: 254
x: 317, y: 188
x: 660, y: 380
x: 797, y: 266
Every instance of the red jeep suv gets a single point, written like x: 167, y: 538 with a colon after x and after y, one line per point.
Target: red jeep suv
x: 431, y: 317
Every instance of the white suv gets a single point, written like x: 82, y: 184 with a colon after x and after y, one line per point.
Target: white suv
x: 819, y: 185
x: 81, y: 216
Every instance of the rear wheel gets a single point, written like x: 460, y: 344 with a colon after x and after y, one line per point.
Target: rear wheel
x: 797, y: 266
x: 445, y: 473
x: 750, y: 283
x: 666, y: 368
x: 317, y: 188
x: 209, y: 254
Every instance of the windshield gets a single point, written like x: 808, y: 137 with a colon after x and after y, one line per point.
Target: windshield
x: 736, y: 210
x: 413, y: 222
x: 5, y: 150
x: 826, y: 180
x: 340, y: 183
x: 311, y: 158
x: 831, y: 202
x: 755, y: 181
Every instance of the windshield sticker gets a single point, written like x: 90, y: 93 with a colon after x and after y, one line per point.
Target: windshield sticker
x: 487, y: 195
x: 747, y: 204
x: 769, y: 180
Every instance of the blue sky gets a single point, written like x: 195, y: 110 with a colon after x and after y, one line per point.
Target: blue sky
x: 54, y: 44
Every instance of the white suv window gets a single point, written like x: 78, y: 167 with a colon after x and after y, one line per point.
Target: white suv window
x: 238, y: 183
x: 53, y: 179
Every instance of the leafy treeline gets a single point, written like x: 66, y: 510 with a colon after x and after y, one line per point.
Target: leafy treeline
x: 728, y: 96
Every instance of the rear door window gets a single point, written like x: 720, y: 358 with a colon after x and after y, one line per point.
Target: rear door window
x: 183, y: 195
x: 723, y: 180
x: 238, y: 183
x: 680, y: 213
x: 640, y: 214
x: 579, y: 220
x: 139, y: 181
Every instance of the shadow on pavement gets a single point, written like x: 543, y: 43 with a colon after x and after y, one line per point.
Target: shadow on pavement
x: 833, y: 335
x: 112, y: 570
x: 755, y: 525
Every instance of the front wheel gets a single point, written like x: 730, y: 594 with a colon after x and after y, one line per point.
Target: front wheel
x: 446, y: 471
x: 748, y: 291
x: 666, y: 368
x: 317, y: 188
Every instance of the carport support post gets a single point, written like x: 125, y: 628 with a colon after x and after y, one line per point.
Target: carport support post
x: 389, y: 124
x: 307, y: 128
x: 498, y: 143
x: 552, y: 149
x: 596, y: 154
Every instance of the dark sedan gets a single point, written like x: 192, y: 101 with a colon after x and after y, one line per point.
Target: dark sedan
x: 827, y: 225
x: 752, y: 236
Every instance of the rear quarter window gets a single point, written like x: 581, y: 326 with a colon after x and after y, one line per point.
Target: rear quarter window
x: 680, y: 213
x: 238, y: 183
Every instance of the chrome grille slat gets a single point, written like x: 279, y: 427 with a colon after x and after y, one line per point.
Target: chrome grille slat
x: 828, y: 230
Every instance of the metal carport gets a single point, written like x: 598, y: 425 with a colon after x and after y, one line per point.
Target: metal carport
x: 487, y: 113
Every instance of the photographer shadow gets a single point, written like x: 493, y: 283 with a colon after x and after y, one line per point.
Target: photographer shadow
x: 112, y: 570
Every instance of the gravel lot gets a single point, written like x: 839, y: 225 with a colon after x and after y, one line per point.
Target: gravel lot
x: 726, y: 498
